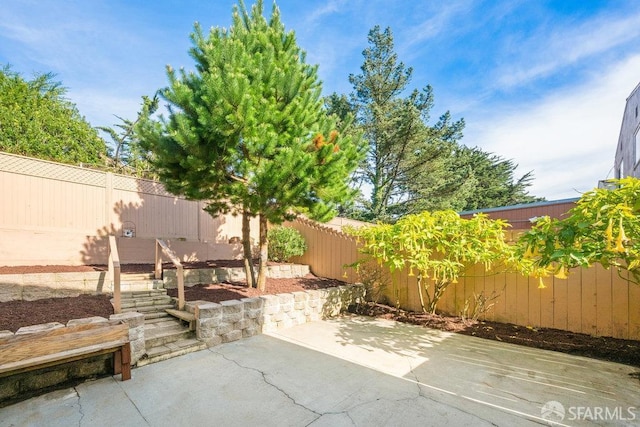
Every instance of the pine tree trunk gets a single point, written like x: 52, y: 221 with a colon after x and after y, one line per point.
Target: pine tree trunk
x: 248, y: 253
x: 264, y: 253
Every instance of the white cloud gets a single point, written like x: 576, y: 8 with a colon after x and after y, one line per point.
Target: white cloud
x: 332, y: 6
x: 551, y: 50
x: 568, y: 138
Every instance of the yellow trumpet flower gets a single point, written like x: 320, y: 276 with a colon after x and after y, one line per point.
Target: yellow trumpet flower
x: 561, y: 274
x: 541, y: 284
x: 621, y: 238
x: 609, y: 231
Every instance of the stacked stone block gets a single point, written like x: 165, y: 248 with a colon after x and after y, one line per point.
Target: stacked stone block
x: 235, y: 319
x: 136, y: 333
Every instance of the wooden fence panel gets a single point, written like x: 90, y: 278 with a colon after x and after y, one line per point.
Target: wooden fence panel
x: 559, y: 303
x: 604, y: 306
x: 620, y: 306
x: 593, y: 301
x: 574, y: 300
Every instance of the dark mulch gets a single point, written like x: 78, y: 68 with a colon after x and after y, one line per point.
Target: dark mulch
x: 604, y: 348
x: 15, y: 314
x: 124, y: 268
x: 228, y: 291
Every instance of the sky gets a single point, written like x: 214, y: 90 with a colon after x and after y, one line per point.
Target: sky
x: 541, y: 82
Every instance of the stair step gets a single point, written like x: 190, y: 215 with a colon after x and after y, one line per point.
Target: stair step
x: 155, y: 337
x: 145, y: 302
x: 147, y: 293
x: 152, y: 315
x: 147, y: 309
x: 161, y: 322
x: 174, y: 349
x: 135, y: 277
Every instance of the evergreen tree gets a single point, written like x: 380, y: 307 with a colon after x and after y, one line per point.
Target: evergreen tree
x: 403, y: 149
x: 36, y: 120
x: 496, y: 184
x: 247, y: 131
x: 128, y: 157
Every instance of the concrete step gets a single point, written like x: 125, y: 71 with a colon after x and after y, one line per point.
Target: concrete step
x: 160, y: 322
x: 146, y: 302
x: 174, y: 349
x: 138, y: 286
x: 151, y: 315
x: 148, y: 309
x: 142, y: 294
x: 161, y: 336
x: 137, y: 277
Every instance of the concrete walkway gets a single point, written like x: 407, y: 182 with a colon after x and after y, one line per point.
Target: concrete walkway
x: 351, y: 371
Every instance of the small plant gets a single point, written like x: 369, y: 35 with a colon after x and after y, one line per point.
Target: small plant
x: 375, y: 281
x: 482, y: 304
x: 284, y: 243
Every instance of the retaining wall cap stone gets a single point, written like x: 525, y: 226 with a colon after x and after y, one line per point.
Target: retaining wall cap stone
x: 39, y: 328
x: 86, y: 320
x: 6, y: 334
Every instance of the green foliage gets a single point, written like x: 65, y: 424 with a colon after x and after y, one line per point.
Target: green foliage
x: 37, y: 121
x: 247, y: 130
x: 413, y: 164
x: 129, y: 157
x: 285, y: 243
x: 406, y: 157
x: 436, y: 248
x: 603, y: 227
x: 495, y: 183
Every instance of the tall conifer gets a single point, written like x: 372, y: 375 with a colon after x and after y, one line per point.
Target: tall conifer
x: 247, y: 132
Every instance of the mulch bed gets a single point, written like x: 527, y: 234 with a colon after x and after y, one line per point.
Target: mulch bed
x: 15, y: 314
x: 124, y: 268
x: 228, y: 291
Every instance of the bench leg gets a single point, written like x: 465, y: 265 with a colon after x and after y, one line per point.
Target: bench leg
x: 122, y: 362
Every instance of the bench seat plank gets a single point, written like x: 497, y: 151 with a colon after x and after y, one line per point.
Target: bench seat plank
x: 36, y: 350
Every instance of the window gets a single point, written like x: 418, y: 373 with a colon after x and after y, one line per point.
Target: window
x: 637, y: 145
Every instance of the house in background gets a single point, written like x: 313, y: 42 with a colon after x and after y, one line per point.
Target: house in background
x: 627, y: 161
x: 521, y: 216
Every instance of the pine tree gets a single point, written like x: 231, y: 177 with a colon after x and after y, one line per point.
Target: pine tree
x: 247, y: 131
x: 403, y: 149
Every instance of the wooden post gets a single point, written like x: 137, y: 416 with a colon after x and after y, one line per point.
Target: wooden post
x: 158, y: 269
x: 180, y: 274
x: 114, y: 273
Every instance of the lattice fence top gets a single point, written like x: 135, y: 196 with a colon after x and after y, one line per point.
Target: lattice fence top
x: 46, y: 169
x: 69, y: 173
x: 146, y: 186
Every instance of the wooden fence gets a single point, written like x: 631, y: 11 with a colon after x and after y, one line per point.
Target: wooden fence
x: 593, y: 301
x: 57, y: 213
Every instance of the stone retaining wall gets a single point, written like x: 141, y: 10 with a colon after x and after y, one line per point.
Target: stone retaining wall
x: 34, y: 286
x: 230, y: 274
x: 235, y: 319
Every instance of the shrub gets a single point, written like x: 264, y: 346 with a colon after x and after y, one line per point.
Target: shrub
x: 284, y: 243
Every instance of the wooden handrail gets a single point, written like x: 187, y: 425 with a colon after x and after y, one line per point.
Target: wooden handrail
x: 114, y: 273
x: 161, y: 247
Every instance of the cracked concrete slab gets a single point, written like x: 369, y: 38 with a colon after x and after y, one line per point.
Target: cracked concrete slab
x: 351, y: 371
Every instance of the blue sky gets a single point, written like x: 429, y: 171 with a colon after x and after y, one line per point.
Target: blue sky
x: 540, y: 82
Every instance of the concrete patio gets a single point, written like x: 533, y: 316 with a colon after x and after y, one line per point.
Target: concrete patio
x: 351, y: 371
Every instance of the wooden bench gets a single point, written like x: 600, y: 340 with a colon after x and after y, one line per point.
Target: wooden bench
x: 31, y: 351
